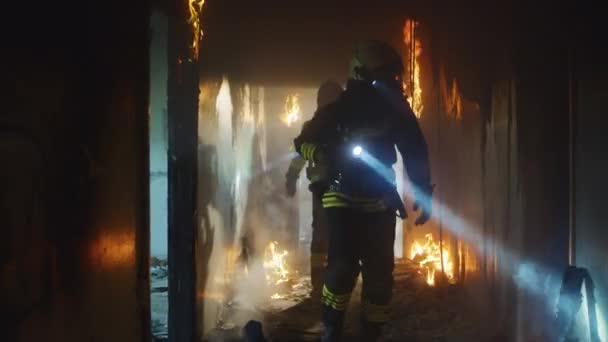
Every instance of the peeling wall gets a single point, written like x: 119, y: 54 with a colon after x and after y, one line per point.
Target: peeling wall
x: 523, y: 247
x: 590, y: 91
x: 501, y: 168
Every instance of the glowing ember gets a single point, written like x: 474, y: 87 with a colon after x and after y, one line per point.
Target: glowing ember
x: 413, y: 89
x: 428, y: 255
x: 292, y: 110
x: 275, y: 264
x: 195, y: 7
x: 276, y: 296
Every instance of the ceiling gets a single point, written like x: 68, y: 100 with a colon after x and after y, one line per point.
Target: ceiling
x: 294, y: 43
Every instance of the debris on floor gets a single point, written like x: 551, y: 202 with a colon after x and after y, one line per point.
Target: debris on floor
x: 420, y: 313
x: 159, y: 300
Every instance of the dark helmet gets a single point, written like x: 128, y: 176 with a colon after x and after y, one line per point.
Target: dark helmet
x: 328, y: 92
x: 375, y: 60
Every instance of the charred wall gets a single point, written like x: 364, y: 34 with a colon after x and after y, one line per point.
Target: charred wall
x: 74, y: 175
x: 509, y: 181
x: 535, y: 71
x: 541, y: 69
x: 469, y: 124
x: 541, y: 60
x: 589, y: 93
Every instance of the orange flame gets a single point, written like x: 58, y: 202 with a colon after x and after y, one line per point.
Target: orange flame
x: 292, y: 110
x: 275, y: 267
x: 413, y: 89
x: 428, y: 256
x: 453, y: 101
x: 195, y: 8
x: 276, y: 296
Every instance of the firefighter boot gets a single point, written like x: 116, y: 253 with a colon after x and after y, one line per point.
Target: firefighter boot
x: 334, y: 308
x: 333, y: 323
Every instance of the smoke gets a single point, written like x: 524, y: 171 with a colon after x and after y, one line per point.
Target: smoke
x: 400, y: 172
x: 242, y: 199
x: 243, y: 142
x: 535, y: 282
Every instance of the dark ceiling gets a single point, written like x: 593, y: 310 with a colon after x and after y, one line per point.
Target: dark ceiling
x: 297, y: 43
x: 289, y: 42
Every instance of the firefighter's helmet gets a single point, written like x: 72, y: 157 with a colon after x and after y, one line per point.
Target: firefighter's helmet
x: 375, y: 60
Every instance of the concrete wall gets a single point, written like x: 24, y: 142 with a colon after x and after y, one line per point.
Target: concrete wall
x: 158, y: 135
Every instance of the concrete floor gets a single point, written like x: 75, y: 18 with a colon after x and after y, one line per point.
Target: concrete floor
x: 420, y: 313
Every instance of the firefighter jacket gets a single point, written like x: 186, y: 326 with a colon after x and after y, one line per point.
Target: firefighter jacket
x: 316, y: 171
x: 367, y: 118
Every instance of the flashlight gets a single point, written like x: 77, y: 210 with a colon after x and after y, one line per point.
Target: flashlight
x: 357, y: 151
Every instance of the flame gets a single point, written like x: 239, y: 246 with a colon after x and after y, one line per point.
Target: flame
x: 219, y: 296
x: 413, y: 67
x: 275, y: 264
x: 195, y: 7
x: 276, y: 268
x: 292, y: 110
x: 452, y: 100
x: 429, y: 255
x: 276, y: 296
x: 231, y: 269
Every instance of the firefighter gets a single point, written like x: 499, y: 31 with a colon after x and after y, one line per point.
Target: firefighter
x: 356, y: 137
x: 328, y: 92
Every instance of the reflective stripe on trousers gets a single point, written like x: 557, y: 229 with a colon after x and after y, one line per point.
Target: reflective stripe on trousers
x: 337, y: 302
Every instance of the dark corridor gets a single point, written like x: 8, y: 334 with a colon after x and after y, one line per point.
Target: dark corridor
x: 509, y: 96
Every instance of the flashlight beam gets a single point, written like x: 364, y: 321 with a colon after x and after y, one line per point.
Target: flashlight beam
x: 530, y: 277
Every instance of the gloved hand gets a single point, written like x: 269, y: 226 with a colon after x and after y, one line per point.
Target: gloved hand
x: 425, y: 204
x: 290, y: 186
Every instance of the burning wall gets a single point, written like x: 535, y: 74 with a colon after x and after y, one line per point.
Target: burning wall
x: 413, y: 50
x: 474, y: 167
x: 454, y: 148
x: 488, y: 167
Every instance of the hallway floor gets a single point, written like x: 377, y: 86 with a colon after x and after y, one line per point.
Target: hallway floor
x: 420, y: 313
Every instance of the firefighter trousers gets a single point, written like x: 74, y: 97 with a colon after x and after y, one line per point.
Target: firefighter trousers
x: 318, y: 245
x: 358, y: 242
